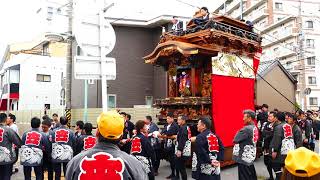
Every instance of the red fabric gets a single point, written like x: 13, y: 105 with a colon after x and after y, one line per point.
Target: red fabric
x: 256, y: 60
x: 230, y: 96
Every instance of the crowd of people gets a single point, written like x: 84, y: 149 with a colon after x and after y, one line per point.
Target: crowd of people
x: 123, y: 150
x: 282, y: 132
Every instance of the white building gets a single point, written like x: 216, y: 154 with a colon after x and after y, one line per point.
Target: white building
x: 278, y: 21
x: 37, y: 73
x: 53, y: 17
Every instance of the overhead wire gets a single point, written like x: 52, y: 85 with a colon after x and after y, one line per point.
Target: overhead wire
x: 269, y: 83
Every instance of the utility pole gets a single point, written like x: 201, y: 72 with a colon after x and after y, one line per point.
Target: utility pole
x: 69, y: 62
x: 241, y: 9
x: 303, y: 99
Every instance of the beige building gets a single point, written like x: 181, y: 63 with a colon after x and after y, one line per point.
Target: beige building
x: 284, y: 83
x: 278, y: 21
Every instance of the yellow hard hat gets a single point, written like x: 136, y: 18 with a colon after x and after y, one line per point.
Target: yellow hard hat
x: 302, y: 162
x: 110, y: 125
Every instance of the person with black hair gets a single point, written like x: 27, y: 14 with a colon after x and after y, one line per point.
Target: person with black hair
x: 87, y: 140
x: 282, y: 142
x: 209, y: 152
x: 306, y: 128
x: 127, y: 133
x: 262, y: 117
x: 47, y: 165
x: 168, y: 133
x: 244, y: 149
x: 141, y: 148
x: 201, y: 17
x: 267, y: 135
x: 291, y: 119
x: 8, y: 137
x: 63, y: 145
x: 34, y: 144
x: 79, y: 129
x: 176, y: 24
x: 183, y: 147
x: 55, y: 122
x: 155, y: 142
x: 105, y: 160
x: 314, y: 130
x: 11, y: 123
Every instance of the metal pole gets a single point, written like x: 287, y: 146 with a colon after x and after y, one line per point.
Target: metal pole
x: 69, y: 57
x: 303, y: 98
x: 8, y: 89
x: 85, y: 111
x: 103, y: 57
x: 241, y: 9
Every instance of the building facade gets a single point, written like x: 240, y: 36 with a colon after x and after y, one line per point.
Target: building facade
x: 288, y: 28
x: 136, y: 83
x: 35, y: 72
x: 285, y: 83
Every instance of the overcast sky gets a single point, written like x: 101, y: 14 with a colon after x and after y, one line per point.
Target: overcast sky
x: 19, y: 19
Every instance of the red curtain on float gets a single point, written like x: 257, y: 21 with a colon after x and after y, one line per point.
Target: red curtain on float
x: 230, y: 96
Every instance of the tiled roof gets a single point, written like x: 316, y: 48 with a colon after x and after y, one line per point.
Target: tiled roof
x: 266, y: 66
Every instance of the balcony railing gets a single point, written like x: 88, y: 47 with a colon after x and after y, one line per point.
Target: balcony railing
x: 282, y: 35
x: 233, y: 5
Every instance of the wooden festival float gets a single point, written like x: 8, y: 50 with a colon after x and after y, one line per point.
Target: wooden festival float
x: 210, y: 72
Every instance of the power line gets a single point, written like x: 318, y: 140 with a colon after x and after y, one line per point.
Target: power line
x: 269, y: 83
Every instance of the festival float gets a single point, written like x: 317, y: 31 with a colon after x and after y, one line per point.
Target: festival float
x: 211, y: 70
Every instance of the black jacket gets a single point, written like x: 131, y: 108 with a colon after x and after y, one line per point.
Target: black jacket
x: 172, y: 130
x: 105, y: 161
x: 7, y: 138
x: 141, y: 148
x: 63, y: 144
x: 34, y: 144
x: 306, y: 128
x: 85, y: 142
x: 267, y: 135
x: 244, y: 150
x: 155, y: 142
x: 262, y: 118
x: 184, y: 141
x: 208, y: 147
x: 128, y: 130
x: 297, y: 136
x: 282, y: 141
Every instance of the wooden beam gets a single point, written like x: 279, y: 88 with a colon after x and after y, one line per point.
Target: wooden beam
x: 193, y: 80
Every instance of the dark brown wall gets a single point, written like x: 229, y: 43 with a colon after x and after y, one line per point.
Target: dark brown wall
x: 135, y: 80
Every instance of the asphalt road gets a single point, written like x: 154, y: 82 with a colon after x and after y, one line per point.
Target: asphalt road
x: 228, y: 173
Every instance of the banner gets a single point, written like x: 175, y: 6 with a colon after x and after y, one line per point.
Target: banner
x: 230, y: 97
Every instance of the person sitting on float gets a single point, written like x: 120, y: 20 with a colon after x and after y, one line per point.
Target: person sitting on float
x: 201, y: 16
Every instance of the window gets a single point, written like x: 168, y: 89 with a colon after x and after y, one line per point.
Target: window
x: 112, y: 100
x: 313, y: 101
x: 312, y: 80
x: 295, y: 76
x: 310, y: 43
x: 311, y: 60
x: 278, y: 6
x: 279, y: 18
x: 45, y: 49
x: 309, y: 24
x: 79, y: 51
x: 47, y: 106
x: 275, y: 33
x: 149, y: 100
x: 43, y: 78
